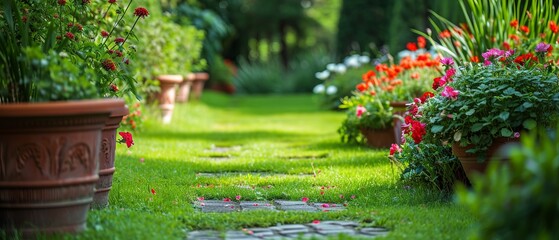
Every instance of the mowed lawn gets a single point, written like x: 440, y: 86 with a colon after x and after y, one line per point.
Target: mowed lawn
x: 260, y: 148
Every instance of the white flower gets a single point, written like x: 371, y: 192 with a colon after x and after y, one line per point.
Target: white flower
x: 364, y: 59
x: 331, y: 67
x: 352, y: 61
x: 318, y: 89
x: 341, y: 68
x: 322, y: 75
x: 331, y: 90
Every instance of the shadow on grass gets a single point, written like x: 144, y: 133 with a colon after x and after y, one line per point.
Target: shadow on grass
x: 238, y: 136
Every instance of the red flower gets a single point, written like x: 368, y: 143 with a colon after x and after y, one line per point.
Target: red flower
x: 394, y: 148
x: 362, y: 87
x: 119, y: 40
x: 506, y: 45
x: 445, y: 34
x: 425, y: 96
x: 514, y: 23
x: 86, y: 1
x: 141, y: 12
x: 553, y: 27
x: 411, y: 46
x: 79, y: 27
x: 109, y: 65
x: 227, y: 199
x: 114, y: 88
x: 126, y: 138
x: 118, y: 53
x: 474, y: 59
x: 70, y: 35
x: 421, y: 43
x: 112, y: 1
x: 61, y: 2
x: 104, y: 34
x: 525, y: 29
x: 436, y: 83
x: 368, y: 75
x: 153, y: 191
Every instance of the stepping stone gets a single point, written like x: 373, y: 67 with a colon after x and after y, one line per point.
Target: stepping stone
x: 291, y: 229
x: 251, y: 206
x: 207, y: 235
x: 217, y: 206
x: 304, y: 208
x: 289, y: 203
x: 238, y: 235
x: 261, y: 232
x: 374, y: 231
x: 342, y: 223
x: 323, y: 226
x: 329, y: 206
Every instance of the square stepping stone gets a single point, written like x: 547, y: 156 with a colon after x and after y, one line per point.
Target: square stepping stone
x: 291, y: 229
x: 238, y: 235
x: 289, y: 203
x: 208, y: 234
x: 329, y: 206
x: 261, y: 232
x: 304, y: 208
x: 342, y: 223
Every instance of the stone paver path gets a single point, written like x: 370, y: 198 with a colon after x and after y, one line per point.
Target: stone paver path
x: 276, y: 205
x: 315, y: 230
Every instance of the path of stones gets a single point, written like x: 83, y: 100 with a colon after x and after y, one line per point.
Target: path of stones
x: 315, y: 230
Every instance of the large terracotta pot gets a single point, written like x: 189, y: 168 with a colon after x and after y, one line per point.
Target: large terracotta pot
x: 107, y: 156
x: 167, y: 83
x: 379, y: 138
x: 496, y: 152
x: 184, y: 88
x: 49, y: 164
x: 198, y: 84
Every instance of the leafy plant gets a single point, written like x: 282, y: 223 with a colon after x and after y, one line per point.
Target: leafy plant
x: 85, y: 38
x: 478, y: 103
x: 424, y: 164
x: 522, y: 189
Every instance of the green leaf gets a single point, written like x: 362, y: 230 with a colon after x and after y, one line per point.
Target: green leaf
x: 505, y: 132
x: 527, y: 104
x: 504, y: 115
x: 529, y: 123
x: 476, y: 127
x: 469, y: 113
x: 436, y: 129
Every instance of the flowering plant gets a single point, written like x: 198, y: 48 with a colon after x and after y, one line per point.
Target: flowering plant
x: 372, y: 105
x: 508, y: 93
x: 62, y: 50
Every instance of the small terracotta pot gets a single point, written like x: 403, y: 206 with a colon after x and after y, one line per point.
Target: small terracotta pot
x: 107, y: 156
x: 470, y: 161
x: 49, y: 164
x: 184, y: 88
x: 400, y: 110
x: 379, y: 138
x: 166, y: 97
x: 198, y: 84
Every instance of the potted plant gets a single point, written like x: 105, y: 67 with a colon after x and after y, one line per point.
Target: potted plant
x: 478, y: 107
x: 385, y: 92
x: 61, y: 69
x: 167, y: 56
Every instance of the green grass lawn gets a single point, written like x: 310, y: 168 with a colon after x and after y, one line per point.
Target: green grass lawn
x: 284, y: 135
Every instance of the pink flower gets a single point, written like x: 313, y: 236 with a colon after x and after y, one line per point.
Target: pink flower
x: 516, y: 134
x: 119, y: 40
x: 359, y: 111
x: 447, y: 61
x: 449, y: 92
x: 238, y: 197
x: 305, y: 199
x: 316, y: 222
x: 227, y: 199
x: 394, y: 148
x: 341, y: 196
x: 542, y: 47
x: 352, y: 196
x: 200, y: 199
x: 325, y: 205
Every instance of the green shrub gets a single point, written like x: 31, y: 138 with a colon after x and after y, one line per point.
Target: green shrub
x: 519, y: 200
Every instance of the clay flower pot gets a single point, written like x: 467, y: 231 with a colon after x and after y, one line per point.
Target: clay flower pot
x: 198, y: 84
x: 49, y: 164
x: 166, y: 97
x: 379, y: 138
x: 184, y: 88
x: 107, y: 156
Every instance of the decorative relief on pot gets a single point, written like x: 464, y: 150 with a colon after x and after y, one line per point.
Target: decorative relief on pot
x: 28, y: 154
x: 77, y: 154
x: 106, y: 150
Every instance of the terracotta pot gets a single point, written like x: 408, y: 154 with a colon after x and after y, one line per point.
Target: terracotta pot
x: 198, y: 84
x: 49, y: 164
x: 379, y: 138
x: 107, y: 156
x: 166, y: 97
x: 184, y: 88
x: 473, y: 165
